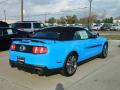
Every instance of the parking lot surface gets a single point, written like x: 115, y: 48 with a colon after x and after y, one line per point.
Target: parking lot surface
x: 98, y: 74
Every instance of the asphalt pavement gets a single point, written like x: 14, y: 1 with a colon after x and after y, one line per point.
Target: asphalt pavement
x: 98, y: 74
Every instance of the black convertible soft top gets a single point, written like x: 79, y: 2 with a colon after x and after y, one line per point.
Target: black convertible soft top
x: 65, y: 33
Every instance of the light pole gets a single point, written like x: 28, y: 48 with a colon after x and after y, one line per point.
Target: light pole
x: 90, y: 9
x: 22, y: 18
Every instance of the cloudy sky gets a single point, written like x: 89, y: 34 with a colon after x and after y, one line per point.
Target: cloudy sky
x: 34, y: 9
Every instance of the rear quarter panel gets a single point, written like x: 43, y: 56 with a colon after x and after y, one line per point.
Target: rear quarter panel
x: 61, y: 50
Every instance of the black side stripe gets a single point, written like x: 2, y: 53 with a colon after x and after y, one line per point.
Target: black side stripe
x: 94, y: 46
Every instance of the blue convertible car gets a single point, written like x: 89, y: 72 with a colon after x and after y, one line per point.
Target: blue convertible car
x: 57, y: 48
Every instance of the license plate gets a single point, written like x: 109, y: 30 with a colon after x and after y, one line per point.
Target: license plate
x: 21, y: 60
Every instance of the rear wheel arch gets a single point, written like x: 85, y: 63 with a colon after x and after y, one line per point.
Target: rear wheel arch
x: 72, y: 52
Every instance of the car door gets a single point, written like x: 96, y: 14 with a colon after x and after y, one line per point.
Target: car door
x: 94, y: 45
x: 87, y: 46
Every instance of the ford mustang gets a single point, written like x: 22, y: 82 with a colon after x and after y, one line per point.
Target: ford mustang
x: 57, y: 48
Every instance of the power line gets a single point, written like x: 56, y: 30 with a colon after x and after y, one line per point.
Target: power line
x: 45, y: 14
x: 57, y: 12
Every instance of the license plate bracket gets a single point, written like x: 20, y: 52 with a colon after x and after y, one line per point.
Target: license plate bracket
x: 21, y: 60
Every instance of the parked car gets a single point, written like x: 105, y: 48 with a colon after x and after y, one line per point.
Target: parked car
x: 106, y: 27
x: 3, y: 24
x: 57, y: 48
x: 96, y: 27
x: 28, y: 26
x: 92, y: 31
x: 115, y: 27
x: 7, y: 33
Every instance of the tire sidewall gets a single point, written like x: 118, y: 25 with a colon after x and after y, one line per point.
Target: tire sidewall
x: 104, y: 50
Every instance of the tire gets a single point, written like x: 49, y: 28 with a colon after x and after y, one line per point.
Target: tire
x: 12, y: 65
x: 19, y: 68
x: 70, y: 65
x: 104, y: 53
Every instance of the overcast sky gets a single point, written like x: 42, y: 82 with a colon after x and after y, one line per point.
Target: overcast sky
x: 35, y: 7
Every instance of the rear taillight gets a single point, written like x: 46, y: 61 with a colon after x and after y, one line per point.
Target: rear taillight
x: 39, y: 50
x: 13, y: 47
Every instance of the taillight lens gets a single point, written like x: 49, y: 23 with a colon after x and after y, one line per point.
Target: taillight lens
x: 13, y: 47
x: 39, y: 50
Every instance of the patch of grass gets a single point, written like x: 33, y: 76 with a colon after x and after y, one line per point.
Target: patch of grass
x: 112, y: 37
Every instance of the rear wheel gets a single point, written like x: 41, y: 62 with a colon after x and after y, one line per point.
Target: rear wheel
x: 70, y: 66
x: 12, y: 64
x: 104, y: 51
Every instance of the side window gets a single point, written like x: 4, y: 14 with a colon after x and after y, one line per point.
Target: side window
x: 8, y: 32
x: 36, y: 25
x: 1, y: 33
x: 14, y: 31
x: 81, y: 35
x: 26, y: 25
x: 21, y: 25
x: 5, y: 32
x: 77, y: 36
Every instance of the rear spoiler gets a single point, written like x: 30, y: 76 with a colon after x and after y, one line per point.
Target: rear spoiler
x: 27, y: 40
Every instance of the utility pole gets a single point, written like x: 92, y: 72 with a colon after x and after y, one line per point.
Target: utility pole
x: 5, y: 15
x: 90, y: 9
x: 45, y: 17
x: 22, y: 17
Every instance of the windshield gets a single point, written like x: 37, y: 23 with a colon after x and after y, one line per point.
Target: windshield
x: 47, y: 35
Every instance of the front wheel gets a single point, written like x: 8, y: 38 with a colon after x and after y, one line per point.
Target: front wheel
x: 104, y: 51
x: 70, y: 66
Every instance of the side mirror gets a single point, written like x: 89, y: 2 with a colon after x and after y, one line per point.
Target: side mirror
x: 95, y: 34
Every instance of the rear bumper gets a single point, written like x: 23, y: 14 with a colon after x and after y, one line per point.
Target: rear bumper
x: 41, y: 69
x: 42, y: 60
